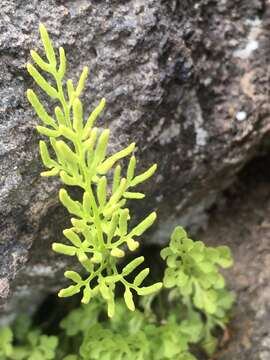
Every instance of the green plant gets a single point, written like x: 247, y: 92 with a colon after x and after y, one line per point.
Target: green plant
x: 194, y: 301
x: 164, y: 327
x: 132, y: 336
x: 6, y: 338
x: 193, y: 274
x: 100, y: 226
x: 31, y: 344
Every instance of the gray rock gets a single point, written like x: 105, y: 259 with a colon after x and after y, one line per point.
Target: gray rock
x: 175, y: 75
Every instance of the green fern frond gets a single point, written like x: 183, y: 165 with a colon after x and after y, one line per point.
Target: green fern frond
x: 100, y: 226
x: 193, y: 274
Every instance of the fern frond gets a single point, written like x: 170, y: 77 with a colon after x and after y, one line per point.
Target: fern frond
x: 100, y: 228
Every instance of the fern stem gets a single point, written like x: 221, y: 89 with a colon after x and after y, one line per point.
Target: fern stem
x: 62, y: 99
x: 96, y: 219
x: 87, y: 187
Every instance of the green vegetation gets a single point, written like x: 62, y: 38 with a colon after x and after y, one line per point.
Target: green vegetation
x: 193, y: 276
x: 100, y: 226
x: 30, y: 343
x: 164, y: 326
x: 181, y: 313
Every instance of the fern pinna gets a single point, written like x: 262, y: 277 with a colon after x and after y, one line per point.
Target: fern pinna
x: 77, y: 153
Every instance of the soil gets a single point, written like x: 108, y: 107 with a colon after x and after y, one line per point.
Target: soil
x: 241, y: 220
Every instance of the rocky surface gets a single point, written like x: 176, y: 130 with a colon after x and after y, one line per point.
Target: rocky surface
x: 241, y: 220
x: 187, y: 80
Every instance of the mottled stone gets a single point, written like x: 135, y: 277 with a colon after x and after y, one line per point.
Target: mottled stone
x: 4, y: 287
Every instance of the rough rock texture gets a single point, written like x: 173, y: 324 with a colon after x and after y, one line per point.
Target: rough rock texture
x: 187, y: 80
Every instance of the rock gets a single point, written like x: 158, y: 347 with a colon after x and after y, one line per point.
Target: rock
x: 241, y: 220
x: 175, y: 75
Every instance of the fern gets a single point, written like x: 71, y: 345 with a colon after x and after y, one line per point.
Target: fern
x: 100, y: 235
x: 6, y: 338
x: 165, y: 327
x: 132, y: 337
x: 193, y: 274
x: 157, y: 334
x: 32, y: 346
x: 100, y: 224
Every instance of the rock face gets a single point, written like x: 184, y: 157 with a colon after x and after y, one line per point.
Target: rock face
x: 241, y: 219
x: 188, y: 81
